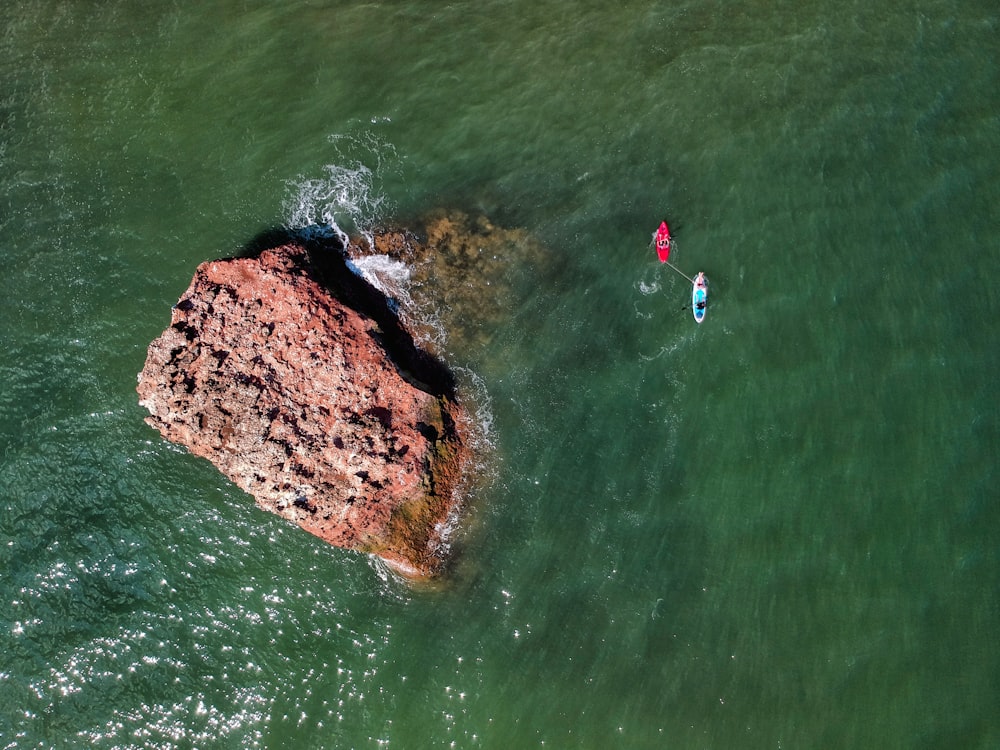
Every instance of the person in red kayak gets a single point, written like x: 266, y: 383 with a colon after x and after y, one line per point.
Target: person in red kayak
x: 663, y: 242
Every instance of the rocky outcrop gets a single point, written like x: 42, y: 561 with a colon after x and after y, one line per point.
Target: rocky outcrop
x: 297, y: 380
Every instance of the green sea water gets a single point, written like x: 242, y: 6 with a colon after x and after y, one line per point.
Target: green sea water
x: 779, y: 529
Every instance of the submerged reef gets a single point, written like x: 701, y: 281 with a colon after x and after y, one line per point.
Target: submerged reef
x: 464, y: 268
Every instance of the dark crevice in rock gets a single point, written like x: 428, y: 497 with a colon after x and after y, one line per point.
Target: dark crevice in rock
x: 327, y: 264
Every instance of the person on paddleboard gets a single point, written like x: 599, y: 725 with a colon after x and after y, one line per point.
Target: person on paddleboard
x: 699, y: 297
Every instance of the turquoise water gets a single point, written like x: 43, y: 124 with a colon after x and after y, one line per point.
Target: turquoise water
x: 776, y: 529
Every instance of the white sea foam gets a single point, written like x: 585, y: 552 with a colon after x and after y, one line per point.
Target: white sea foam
x: 480, y: 404
x: 650, y: 288
x: 388, y: 275
x: 393, y: 278
x: 347, y: 199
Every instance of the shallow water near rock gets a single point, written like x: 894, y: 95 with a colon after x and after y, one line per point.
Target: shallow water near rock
x: 776, y: 529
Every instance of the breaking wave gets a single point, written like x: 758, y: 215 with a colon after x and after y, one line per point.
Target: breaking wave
x: 388, y: 275
x: 346, y: 199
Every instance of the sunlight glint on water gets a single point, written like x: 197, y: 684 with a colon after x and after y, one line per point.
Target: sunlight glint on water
x: 776, y: 529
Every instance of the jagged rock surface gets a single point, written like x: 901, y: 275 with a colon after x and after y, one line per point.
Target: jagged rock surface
x: 328, y: 416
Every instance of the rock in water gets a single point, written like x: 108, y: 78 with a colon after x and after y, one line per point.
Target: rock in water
x: 330, y: 417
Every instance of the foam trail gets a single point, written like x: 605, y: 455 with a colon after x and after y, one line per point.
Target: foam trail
x: 651, y: 288
x: 481, y: 427
x: 346, y: 199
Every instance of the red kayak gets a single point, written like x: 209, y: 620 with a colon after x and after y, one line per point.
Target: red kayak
x: 663, y: 242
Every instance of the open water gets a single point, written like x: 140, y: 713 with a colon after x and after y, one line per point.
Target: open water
x: 779, y: 529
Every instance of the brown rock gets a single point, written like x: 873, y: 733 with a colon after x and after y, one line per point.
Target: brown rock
x: 329, y: 416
